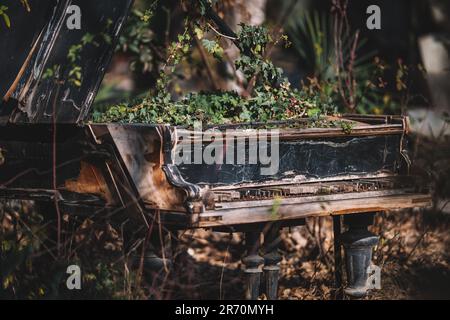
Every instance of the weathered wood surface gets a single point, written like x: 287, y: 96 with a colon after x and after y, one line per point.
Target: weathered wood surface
x: 311, y: 207
x: 40, y: 79
x: 119, y: 167
x: 140, y: 152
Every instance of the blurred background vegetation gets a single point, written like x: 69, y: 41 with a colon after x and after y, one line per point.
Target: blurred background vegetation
x: 387, y: 72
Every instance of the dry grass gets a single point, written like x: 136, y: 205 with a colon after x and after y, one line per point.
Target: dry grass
x: 412, y: 253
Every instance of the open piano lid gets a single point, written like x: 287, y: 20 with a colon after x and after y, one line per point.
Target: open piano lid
x: 47, y: 68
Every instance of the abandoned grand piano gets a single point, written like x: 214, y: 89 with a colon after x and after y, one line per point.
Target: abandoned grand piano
x: 49, y: 152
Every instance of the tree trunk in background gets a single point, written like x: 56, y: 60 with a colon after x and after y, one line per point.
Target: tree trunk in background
x: 440, y: 10
x: 435, y: 49
x: 252, y: 12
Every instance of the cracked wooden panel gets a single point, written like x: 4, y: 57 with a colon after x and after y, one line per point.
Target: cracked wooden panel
x: 311, y: 158
x: 141, y: 151
x: 91, y: 181
x: 238, y: 213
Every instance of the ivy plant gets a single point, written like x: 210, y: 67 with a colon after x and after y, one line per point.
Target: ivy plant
x: 271, y: 98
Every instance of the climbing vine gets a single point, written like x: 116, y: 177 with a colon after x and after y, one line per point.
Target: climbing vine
x: 270, y: 95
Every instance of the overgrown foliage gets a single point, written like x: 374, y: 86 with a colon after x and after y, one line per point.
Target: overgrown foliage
x: 338, y: 66
x: 33, y: 265
x: 219, y: 108
x: 136, y: 39
x: 271, y: 98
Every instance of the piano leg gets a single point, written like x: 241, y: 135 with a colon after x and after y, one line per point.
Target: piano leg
x: 252, y: 262
x: 154, y: 263
x: 149, y: 256
x: 272, y: 260
x: 358, y: 245
x: 337, y: 230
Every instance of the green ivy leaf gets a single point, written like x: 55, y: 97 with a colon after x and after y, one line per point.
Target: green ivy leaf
x: 314, y: 112
x: 213, y: 47
x: 6, y: 19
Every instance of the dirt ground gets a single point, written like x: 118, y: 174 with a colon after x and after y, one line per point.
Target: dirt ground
x: 412, y: 254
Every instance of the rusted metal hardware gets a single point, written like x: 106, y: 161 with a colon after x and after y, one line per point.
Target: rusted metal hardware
x: 358, y: 244
x: 253, y: 264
